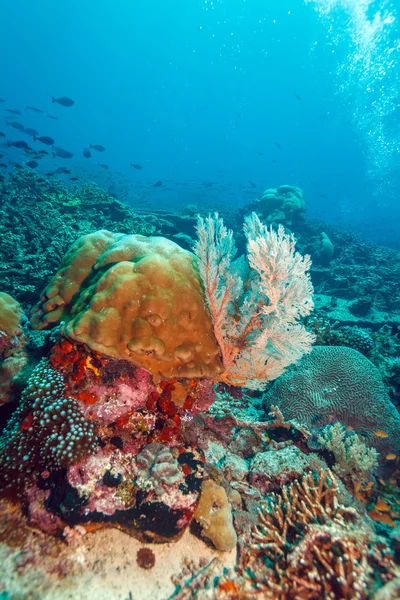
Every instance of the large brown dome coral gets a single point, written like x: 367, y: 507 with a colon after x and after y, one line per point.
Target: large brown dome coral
x: 135, y: 298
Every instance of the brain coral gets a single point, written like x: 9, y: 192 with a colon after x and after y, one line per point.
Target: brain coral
x: 338, y: 384
x: 135, y: 298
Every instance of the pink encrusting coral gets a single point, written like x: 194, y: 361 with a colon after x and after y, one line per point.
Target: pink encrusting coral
x: 124, y: 395
x: 87, y: 478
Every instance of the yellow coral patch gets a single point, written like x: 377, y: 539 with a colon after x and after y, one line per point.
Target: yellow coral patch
x: 135, y: 298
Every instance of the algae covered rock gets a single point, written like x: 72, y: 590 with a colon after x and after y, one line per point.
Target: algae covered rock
x: 215, y: 516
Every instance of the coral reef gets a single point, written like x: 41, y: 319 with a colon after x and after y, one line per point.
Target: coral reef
x: 360, y: 270
x: 41, y: 218
x: 79, y: 446
x: 272, y: 469
x: 330, y: 334
x: 140, y: 412
x: 157, y: 467
x: 338, y: 384
x: 344, y: 266
x: 324, y: 250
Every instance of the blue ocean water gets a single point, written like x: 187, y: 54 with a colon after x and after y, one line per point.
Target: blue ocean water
x: 246, y: 94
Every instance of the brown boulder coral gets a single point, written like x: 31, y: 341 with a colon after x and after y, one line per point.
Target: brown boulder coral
x: 10, y: 317
x: 135, y: 298
x: 12, y: 342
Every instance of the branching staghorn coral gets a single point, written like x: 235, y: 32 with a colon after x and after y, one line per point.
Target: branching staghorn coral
x: 256, y: 317
x: 308, y: 546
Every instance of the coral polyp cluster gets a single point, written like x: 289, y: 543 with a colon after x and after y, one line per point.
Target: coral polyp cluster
x: 48, y: 430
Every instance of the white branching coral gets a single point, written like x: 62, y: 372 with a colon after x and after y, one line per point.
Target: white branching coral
x: 354, y: 460
x: 255, y: 306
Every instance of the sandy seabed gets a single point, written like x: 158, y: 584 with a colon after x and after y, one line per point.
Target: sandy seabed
x: 103, y: 566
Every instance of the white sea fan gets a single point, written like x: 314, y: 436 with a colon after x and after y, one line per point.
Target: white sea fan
x: 256, y: 320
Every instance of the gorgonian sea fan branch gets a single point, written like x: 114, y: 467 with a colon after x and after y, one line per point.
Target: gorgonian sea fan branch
x: 256, y: 325
x: 215, y: 249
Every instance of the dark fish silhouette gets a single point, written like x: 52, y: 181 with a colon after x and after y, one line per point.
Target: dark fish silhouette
x: 32, y: 164
x: 2, y: 134
x: 18, y: 144
x: 298, y: 97
x: 61, y: 153
x: 33, y: 109
x: 73, y: 178
x: 97, y: 147
x: 16, y: 125
x: 260, y: 153
x: 104, y: 166
x: 277, y: 144
x: 62, y: 170
x: 43, y: 152
x: 136, y: 166
x: 3, y: 166
x: 52, y: 117
x: 31, y: 131
x: 1, y: 100
x: 86, y: 153
x: 158, y: 184
x: 63, y: 101
x: 45, y: 139
x: 14, y: 111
